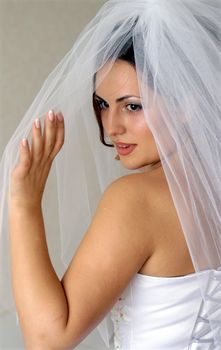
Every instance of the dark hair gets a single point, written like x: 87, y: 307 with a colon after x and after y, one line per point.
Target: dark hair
x: 126, y: 54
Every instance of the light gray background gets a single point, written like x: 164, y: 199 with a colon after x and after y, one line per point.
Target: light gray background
x: 34, y: 37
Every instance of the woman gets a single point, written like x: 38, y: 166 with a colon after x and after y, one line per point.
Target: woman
x: 154, y: 228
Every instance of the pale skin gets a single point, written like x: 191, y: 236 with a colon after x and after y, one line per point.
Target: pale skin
x: 58, y: 314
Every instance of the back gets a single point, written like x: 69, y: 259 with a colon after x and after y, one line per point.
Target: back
x: 157, y: 313
x: 157, y: 310
x: 170, y: 255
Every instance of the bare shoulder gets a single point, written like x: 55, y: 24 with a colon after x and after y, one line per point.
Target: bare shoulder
x: 114, y: 248
x: 125, y: 202
x: 144, y: 188
x: 131, y: 189
x: 141, y: 202
x: 146, y: 197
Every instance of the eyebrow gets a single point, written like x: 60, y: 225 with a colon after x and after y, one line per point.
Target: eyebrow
x: 118, y: 99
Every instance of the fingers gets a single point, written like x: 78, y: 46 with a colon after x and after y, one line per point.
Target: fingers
x: 53, y: 135
x: 37, y: 141
x: 25, y: 156
x: 23, y: 167
x: 49, y: 137
x: 35, y: 160
x: 59, y: 140
x: 46, y: 146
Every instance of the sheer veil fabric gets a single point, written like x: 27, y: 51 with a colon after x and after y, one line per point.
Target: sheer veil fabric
x: 177, y: 46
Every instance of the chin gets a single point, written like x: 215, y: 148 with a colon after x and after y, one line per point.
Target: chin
x: 130, y: 165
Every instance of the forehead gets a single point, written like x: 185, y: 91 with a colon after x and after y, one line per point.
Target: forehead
x: 116, y: 78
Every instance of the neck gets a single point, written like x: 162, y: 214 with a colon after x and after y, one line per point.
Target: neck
x: 156, y: 164
x: 151, y: 166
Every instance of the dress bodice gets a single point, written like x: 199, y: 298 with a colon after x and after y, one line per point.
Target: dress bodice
x: 157, y: 313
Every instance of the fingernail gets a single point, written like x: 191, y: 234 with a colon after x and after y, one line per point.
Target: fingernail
x: 37, y: 123
x: 51, y: 115
x: 60, y: 117
x: 24, y: 142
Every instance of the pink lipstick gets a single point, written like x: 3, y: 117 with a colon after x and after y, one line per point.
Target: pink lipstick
x: 125, y: 148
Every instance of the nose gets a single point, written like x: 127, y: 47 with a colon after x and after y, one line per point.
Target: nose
x: 113, y: 124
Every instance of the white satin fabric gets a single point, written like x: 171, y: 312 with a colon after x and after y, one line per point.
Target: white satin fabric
x: 157, y: 313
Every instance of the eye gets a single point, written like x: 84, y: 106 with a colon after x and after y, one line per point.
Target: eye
x: 101, y: 104
x: 132, y: 107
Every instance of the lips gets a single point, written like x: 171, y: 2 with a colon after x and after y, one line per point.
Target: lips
x: 125, y: 148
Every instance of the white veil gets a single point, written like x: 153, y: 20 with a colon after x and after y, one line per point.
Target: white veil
x: 177, y: 47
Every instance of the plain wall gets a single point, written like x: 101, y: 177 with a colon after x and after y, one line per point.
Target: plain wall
x: 34, y: 37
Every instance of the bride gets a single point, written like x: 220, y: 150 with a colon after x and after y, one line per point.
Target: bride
x: 142, y: 76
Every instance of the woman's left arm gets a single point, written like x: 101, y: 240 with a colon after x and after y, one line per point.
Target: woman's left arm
x: 58, y: 315
x: 39, y: 294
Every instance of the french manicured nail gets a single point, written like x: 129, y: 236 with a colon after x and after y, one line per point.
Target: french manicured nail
x: 37, y: 123
x: 51, y: 116
x: 24, y: 142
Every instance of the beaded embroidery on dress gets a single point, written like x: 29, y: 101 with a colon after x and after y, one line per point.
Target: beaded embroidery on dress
x: 167, y: 313
x: 119, y: 314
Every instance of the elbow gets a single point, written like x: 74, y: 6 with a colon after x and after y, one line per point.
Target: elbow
x: 44, y: 341
x: 45, y: 337
x: 52, y: 339
x: 50, y: 335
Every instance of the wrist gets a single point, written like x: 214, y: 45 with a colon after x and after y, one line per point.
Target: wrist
x: 22, y: 205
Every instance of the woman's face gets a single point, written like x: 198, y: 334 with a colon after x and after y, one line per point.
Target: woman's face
x: 122, y: 116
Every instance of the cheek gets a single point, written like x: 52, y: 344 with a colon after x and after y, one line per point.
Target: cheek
x: 145, y: 136
x: 142, y: 128
x: 152, y: 117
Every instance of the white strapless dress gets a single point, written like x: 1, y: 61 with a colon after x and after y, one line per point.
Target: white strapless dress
x: 157, y: 313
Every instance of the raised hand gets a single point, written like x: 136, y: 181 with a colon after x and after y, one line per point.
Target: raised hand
x: 29, y: 177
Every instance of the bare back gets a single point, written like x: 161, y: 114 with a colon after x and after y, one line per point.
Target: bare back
x: 170, y: 255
